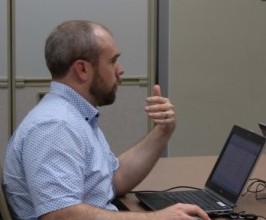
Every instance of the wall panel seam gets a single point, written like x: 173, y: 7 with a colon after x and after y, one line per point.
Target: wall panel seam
x: 45, y: 82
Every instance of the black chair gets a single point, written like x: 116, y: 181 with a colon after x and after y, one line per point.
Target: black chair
x: 4, y: 209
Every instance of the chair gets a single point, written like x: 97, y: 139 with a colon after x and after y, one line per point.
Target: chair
x: 4, y: 209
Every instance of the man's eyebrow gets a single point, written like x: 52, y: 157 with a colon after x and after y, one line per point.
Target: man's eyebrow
x: 115, y: 57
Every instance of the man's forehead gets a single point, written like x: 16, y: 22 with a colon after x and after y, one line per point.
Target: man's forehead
x: 100, y: 32
x: 108, y: 44
x: 104, y: 37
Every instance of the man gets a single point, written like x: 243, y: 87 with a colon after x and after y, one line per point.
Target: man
x: 58, y: 163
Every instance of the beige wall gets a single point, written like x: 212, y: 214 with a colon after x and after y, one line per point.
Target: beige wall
x: 3, y: 75
x: 217, y: 72
x: 3, y: 122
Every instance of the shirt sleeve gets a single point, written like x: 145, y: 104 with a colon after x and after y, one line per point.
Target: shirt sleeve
x: 53, y: 157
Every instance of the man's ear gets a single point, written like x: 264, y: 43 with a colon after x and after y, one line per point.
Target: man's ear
x: 83, y: 69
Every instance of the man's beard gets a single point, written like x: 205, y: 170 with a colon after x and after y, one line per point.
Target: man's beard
x: 101, y: 95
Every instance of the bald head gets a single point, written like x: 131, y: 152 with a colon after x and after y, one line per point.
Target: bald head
x: 73, y: 40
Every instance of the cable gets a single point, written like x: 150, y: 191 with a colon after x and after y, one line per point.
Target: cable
x: 166, y: 190
x: 237, y: 215
x: 256, y: 186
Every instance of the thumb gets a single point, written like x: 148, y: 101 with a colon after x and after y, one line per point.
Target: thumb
x: 157, y: 90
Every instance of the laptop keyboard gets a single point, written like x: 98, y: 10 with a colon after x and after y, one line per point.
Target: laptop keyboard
x: 195, y: 197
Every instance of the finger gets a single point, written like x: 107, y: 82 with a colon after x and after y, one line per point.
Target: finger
x: 166, y: 120
x: 161, y: 115
x: 157, y: 100
x: 197, y: 211
x: 160, y: 106
x: 157, y: 90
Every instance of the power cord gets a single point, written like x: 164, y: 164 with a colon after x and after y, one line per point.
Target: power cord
x: 256, y: 186
x: 238, y: 215
x: 166, y: 190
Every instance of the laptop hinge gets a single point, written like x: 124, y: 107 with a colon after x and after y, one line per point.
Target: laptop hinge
x: 217, y: 196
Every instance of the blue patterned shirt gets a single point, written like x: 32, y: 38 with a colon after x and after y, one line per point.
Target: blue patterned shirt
x: 58, y: 157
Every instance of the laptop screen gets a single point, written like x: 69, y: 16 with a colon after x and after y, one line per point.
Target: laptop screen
x: 235, y: 164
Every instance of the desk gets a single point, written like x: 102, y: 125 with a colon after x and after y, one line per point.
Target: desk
x: 193, y: 171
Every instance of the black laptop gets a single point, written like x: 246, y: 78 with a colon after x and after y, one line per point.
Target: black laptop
x: 262, y: 128
x: 226, y: 181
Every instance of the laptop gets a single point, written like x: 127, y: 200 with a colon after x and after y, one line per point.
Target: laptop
x: 262, y: 128
x: 225, y: 182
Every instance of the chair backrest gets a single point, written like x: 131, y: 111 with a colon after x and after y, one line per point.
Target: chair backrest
x: 4, y: 209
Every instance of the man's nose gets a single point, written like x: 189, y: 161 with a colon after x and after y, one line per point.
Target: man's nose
x: 120, y: 69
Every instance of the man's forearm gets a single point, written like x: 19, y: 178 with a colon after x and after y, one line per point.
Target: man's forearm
x: 137, y: 162
x: 88, y: 212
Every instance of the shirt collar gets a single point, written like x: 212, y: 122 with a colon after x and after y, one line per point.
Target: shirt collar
x: 88, y: 111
